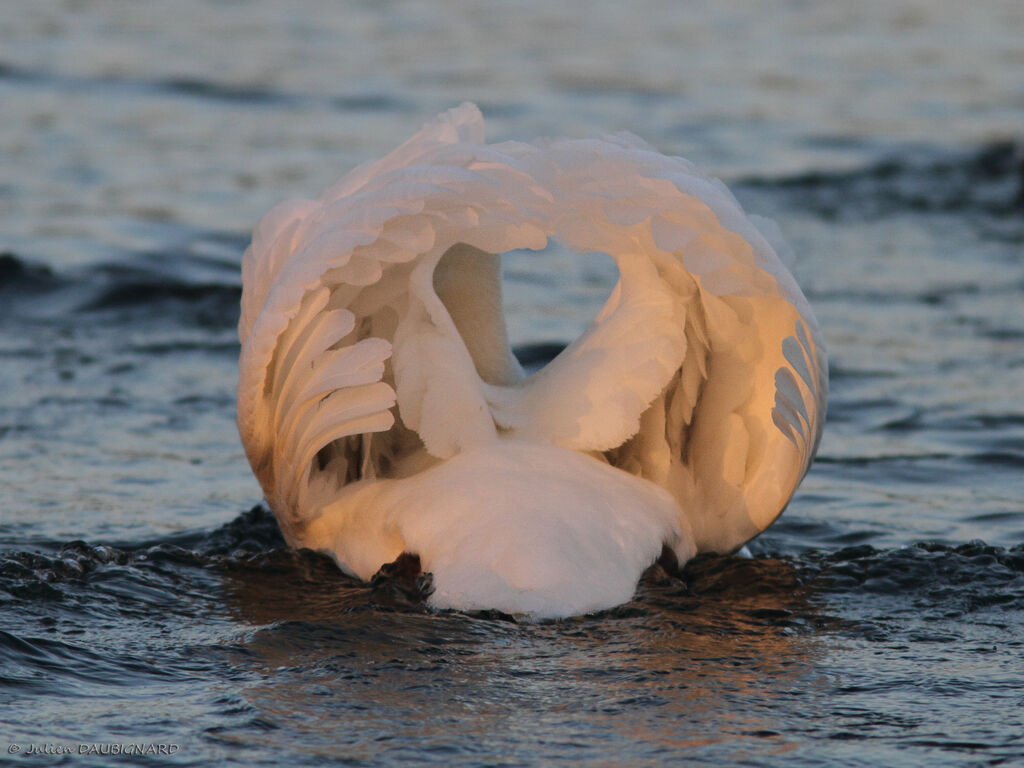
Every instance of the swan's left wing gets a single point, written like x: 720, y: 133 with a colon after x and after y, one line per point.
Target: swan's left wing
x: 339, y: 312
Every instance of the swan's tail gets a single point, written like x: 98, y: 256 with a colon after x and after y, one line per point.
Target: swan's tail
x: 517, y: 527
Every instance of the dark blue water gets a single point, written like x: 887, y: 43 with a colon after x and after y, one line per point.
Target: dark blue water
x: 145, y: 601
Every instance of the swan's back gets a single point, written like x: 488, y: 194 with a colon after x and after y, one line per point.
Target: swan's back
x: 374, y: 352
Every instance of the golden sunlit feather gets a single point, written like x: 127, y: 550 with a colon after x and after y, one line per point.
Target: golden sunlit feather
x: 383, y: 411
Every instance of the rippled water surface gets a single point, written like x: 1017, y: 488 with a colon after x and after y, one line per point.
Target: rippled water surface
x: 880, y: 622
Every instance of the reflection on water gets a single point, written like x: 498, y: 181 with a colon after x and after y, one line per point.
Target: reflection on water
x: 714, y: 660
x: 272, y: 656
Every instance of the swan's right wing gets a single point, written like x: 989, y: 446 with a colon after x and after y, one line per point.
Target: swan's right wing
x: 705, y: 372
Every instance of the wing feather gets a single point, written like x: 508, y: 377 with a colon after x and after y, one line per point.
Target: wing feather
x: 328, y: 284
x: 741, y: 390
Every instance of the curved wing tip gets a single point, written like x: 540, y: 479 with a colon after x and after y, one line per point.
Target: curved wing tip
x: 466, y: 119
x: 467, y: 109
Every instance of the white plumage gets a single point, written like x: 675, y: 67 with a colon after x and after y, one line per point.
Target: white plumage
x: 383, y: 411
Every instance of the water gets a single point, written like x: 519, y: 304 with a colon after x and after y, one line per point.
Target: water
x: 880, y: 621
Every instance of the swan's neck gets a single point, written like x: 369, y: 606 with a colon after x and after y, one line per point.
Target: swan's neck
x: 468, y: 282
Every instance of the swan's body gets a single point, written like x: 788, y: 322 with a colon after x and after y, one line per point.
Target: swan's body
x: 383, y: 411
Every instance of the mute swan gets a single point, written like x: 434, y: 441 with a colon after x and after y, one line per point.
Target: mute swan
x: 384, y: 413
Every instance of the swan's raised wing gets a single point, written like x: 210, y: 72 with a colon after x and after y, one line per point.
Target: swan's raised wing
x: 339, y: 310
x: 705, y: 372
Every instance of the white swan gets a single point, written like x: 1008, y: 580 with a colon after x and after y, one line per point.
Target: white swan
x: 384, y: 413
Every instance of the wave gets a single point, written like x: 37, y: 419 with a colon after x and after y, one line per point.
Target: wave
x: 34, y: 291
x: 919, y: 179
x: 248, y: 635
x: 205, y: 89
x: 19, y: 275
x: 146, y: 292
x: 925, y: 576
